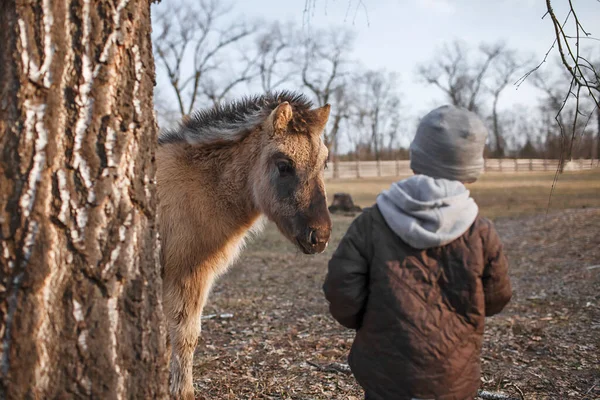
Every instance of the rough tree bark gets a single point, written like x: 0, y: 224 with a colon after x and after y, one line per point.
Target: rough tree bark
x: 80, y: 286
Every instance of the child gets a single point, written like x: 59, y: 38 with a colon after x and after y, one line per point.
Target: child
x: 418, y: 272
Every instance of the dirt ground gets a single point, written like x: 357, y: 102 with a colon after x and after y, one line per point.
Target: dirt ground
x: 267, y: 333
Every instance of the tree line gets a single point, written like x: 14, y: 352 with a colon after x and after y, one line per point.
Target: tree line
x: 209, y: 55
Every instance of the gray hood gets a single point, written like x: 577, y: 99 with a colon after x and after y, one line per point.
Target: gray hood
x: 428, y: 212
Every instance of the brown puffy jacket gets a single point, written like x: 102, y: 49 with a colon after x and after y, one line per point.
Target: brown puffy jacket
x: 419, y: 314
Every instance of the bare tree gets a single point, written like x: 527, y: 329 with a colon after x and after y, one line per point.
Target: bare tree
x: 217, y: 89
x: 193, y: 33
x: 341, y: 100
x: 378, y: 108
x: 522, y: 130
x: 325, y: 69
x: 392, y: 131
x: 459, y: 76
x: 582, y: 75
x: 80, y: 286
x: 550, y: 107
x: 275, y: 49
x: 567, y: 118
x: 354, y: 132
x: 504, y: 72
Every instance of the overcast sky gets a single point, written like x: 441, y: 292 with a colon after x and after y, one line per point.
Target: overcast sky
x: 400, y: 34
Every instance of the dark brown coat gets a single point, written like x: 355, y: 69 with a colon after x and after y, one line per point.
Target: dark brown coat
x: 419, y: 314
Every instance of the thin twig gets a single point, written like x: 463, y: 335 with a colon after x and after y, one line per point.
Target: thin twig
x: 524, y: 77
x: 575, y: 70
x: 590, y: 389
x: 518, y: 390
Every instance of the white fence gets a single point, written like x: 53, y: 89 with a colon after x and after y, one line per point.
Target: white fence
x: 372, y: 169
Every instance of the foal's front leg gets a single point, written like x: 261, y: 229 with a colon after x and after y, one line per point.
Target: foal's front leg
x: 184, y: 300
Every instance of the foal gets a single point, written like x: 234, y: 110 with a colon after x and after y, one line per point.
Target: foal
x: 218, y: 174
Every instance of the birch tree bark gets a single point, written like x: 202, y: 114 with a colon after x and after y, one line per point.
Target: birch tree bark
x: 80, y: 287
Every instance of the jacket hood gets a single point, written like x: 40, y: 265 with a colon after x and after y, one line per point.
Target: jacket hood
x: 428, y: 212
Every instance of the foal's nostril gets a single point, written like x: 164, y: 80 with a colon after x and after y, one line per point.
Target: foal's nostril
x: 312, y: 237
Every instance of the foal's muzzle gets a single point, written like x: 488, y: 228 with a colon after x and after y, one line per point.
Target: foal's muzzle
x: 314, y: 240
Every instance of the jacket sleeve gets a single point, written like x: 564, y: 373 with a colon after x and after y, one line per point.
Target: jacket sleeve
x: 496, y: 282
x: 346, y: 285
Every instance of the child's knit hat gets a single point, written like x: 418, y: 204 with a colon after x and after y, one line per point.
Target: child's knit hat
x: 449, y: 144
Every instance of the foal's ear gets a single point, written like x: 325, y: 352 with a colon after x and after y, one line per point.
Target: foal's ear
x: 321, y: 116
x: 281, y: 117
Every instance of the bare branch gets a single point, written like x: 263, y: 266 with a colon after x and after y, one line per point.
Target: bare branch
x: 567, y: 54
x: 377, y: 109
x: 460, y: 78
x: 324, y: 72
x: 583, y: 75
x: 491, y: 53
x: 190, y: 43
x: 218, y: 92
x: 508, y: 64
x: 275, y: 56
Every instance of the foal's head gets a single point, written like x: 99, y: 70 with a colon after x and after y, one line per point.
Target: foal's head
x: 288, y: 181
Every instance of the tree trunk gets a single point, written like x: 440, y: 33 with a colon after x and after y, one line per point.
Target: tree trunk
x: 334, y: 147
x: 335, y: 159
x: 497, y: 135
x: 80, y: 286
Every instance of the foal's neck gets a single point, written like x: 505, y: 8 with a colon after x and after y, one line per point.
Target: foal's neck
x: 224, y: 172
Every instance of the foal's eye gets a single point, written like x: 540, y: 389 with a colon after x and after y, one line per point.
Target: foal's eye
x: 285, y: 169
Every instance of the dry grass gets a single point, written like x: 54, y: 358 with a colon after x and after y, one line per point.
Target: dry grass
x: 500, y: 194
x: 546, y: 343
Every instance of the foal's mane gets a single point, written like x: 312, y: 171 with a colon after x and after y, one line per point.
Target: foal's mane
x: 232, y: 121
